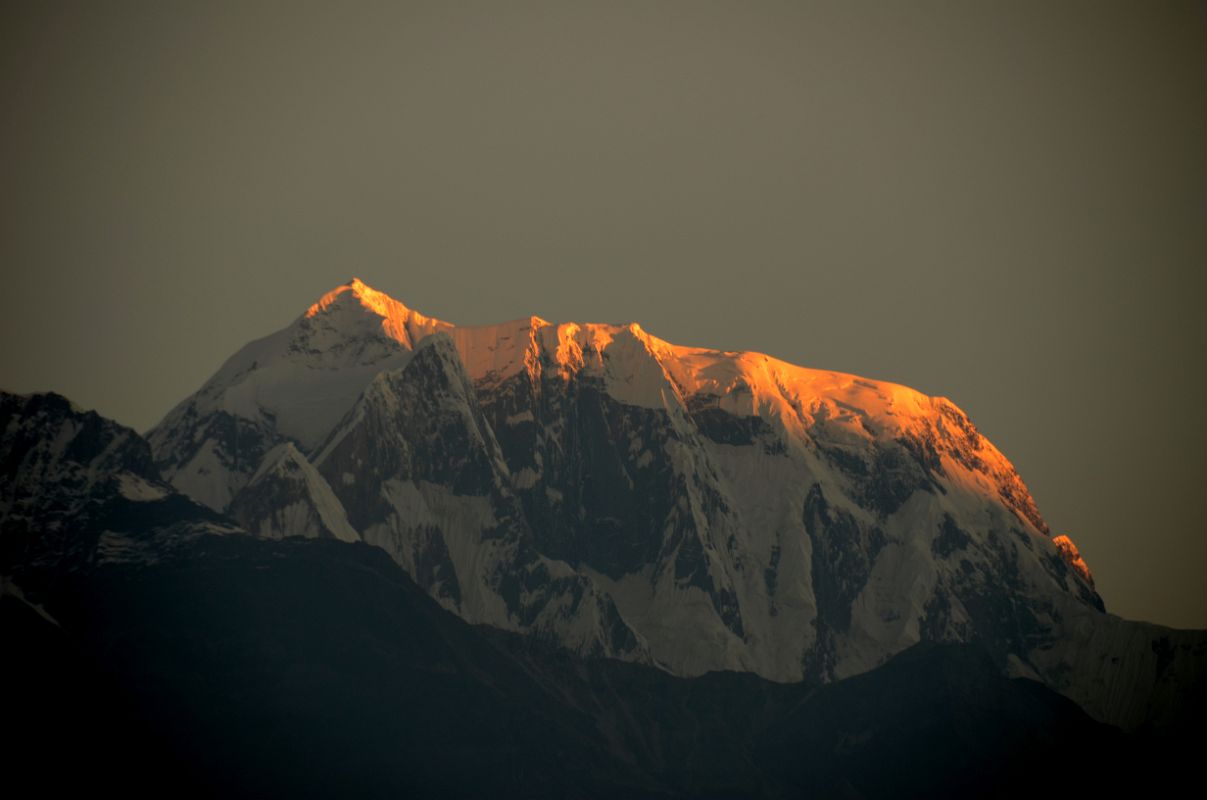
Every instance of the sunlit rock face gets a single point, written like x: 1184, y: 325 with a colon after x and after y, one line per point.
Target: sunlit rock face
x: 692, y: 508
x: 1068, y: 551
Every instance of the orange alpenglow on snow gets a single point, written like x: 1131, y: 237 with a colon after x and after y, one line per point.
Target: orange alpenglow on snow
x: 400, y: 323
x: 1068, y: 551
x: 642, y: 370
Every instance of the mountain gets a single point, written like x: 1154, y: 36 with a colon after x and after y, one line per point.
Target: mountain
x: 694, y: 509
x: 77, y: 490
x: 313, y: 667
x: 313, y: 638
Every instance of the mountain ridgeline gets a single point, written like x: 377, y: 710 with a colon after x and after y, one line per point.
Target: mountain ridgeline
x: 681, y: 570
x: 692, y: 509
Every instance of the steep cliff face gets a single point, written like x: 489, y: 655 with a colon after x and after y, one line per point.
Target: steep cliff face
x: 419, y: 469
x: 288, y: 497
x: 807, y: 523
x: 694, y: 508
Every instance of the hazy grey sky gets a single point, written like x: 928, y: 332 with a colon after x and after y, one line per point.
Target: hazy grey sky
x: 1002, y: 203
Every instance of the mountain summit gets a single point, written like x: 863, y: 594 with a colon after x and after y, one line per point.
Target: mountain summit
x: 690, y: 508
x: 356, y: 305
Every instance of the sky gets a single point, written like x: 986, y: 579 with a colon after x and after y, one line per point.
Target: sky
x: 1001, y: 203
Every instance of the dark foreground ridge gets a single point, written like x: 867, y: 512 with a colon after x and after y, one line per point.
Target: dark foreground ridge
x: 316, y: 668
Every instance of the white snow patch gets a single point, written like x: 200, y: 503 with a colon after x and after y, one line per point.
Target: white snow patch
x: 206, y: 479
x: 526, y: 478
x: 134, y: 487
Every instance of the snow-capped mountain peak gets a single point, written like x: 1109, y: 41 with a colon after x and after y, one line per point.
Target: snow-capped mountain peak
x: 699, y: 509
x: 293, y: 385
x: 355, y: 304
x: 702, y: 509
